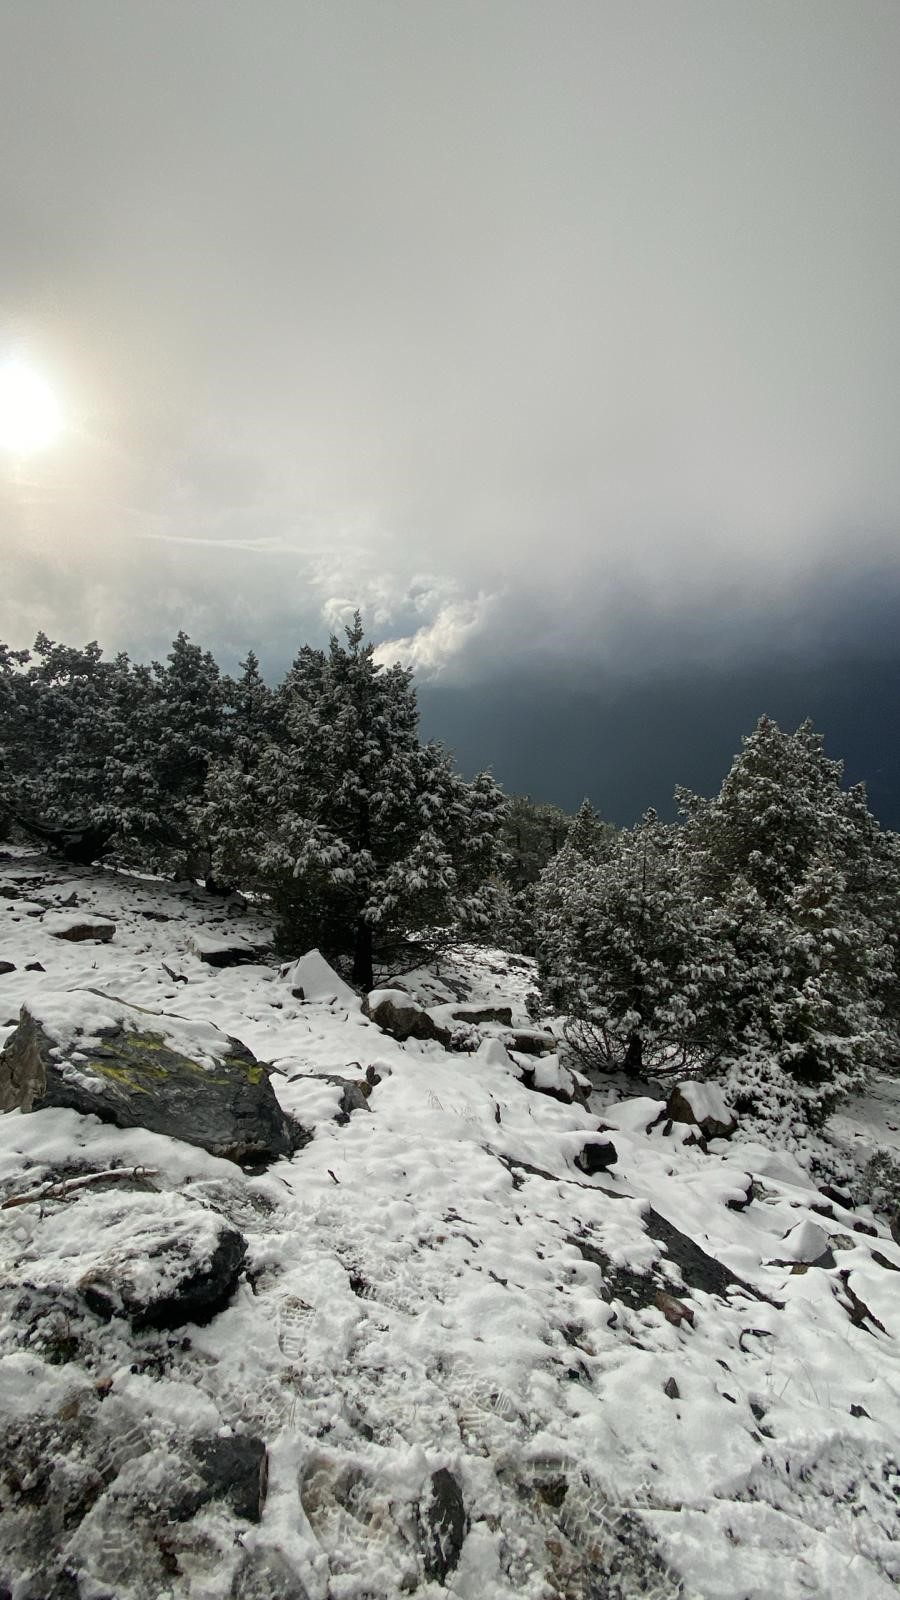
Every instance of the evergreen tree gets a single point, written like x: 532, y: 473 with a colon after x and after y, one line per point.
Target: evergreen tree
x: 370, y: 835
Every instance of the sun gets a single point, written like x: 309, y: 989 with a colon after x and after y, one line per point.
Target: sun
x: 30, y: 417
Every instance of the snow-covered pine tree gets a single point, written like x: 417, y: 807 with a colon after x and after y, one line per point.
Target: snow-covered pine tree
x: 621, y: 952
x: 371, y: 835
x: 188, y: 735
x: 783, y: 858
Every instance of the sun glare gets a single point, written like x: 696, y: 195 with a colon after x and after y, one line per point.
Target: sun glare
x: 30, y: 418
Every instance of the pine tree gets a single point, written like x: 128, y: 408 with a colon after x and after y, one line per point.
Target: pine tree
x: 371, y: 835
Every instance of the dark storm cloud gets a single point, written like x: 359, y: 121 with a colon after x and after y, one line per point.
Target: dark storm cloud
x: 539, y: 331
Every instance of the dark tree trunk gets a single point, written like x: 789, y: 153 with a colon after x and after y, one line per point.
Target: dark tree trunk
x: 363, y: 953
x: 634, y: 1055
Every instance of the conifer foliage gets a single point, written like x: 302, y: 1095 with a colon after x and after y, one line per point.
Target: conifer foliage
x: 757, y: 939
x: 318, y: 796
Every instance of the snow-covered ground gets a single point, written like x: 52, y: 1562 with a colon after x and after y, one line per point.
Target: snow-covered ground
x: 434, y: 1283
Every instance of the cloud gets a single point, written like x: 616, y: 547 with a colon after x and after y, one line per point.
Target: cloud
x: 438, y: 642
x: 571, y: 345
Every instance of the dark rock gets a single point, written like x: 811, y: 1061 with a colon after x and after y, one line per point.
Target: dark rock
x: 840, y: 1197
x: 235, y: 1470
x: 859, y: 1411
x: 671, y: 1389
x: 397, y: 1014
x: 7, y: 966
x: 162, y: 1282
x: 266, y: 1575
x: 34, y: 966
x: 354, y: 1092
x: 443, y: 1519
x: 78, y: 930
x: 530, y: 1042
x: 475, y: 1014
x: 701, y: 1106
x: 596, y: 1156
x: 136, y: 1078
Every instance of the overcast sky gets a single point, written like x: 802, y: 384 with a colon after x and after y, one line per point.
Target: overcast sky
x: 562, y: 338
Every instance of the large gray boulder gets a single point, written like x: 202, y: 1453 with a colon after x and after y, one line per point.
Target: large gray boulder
x: 702, y: 1105
x: 102, y: 1057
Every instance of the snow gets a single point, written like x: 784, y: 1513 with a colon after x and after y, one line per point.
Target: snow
x: 415, y: 1298
x: 319, y: 981
x: 706, y: 1100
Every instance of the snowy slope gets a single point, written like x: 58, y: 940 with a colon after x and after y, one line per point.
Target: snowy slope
x: 434, y: 1283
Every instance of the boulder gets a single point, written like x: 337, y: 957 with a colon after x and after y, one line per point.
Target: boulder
x: 77, y: 927
x: 312, y: 979
x: 218, y: 952
x: 157, y: 1260
x: 703, y: 1106
x: 531, y: 1042
x: 596, y: 1155
x: 442, y: 1516
x: 549, y: 1076
x: 137, y: 1069
x: 396, y: 1013
x: 7, y: 966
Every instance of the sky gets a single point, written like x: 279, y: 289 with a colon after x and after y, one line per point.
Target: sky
x: 563, y: 339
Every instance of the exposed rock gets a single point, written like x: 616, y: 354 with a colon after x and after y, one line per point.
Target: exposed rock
x: 218, y: 952
x: 674, y: 1310
x: 443, y: 1519
x: 550, y: 1077
x: 34, y: 966
x: 531, y: 1042
x: 123, y: 1071
x: 396, y: 1013
x: 703, y: 1106
x: 77, y: 927
x: 234, y: 1469
x: 7, y: 966
x: 156, y: 1259
x: 807, y: 1244
x: 475, y: 1014
x: 354, y: 1092
x: 671, y: 1389
x: 597, y: 1154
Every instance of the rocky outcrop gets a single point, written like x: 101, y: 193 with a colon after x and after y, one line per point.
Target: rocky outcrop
x: 141, y: 1070
x: 396, y: 1013
x: 216, y: 951
x: 701, y: 1105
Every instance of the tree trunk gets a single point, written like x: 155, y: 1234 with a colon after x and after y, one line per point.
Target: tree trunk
x: 363, y: 952
x: 634, y: 1056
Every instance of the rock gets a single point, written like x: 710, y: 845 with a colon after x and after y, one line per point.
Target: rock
x: 670, y: 1388
x: 702, y: 1105
x: 396, y: 1013
x: 550, y: 1077
x: 475, y: 1014
x: 218, y: 952
x: 104, y: 1058
x: 7, y: 966
x: 312, y: 979
x: 596, y: 1155
x: 34, y: 966
x: 807, y: 1244
x: 443, y: 1520
x: 267, y: 1575
x: 531, y: 1042
x: 157, y: 1260
x: 354, y: 1093
x: 234, y: 1469
x: 77, y: 927
x: 674, y: 1310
